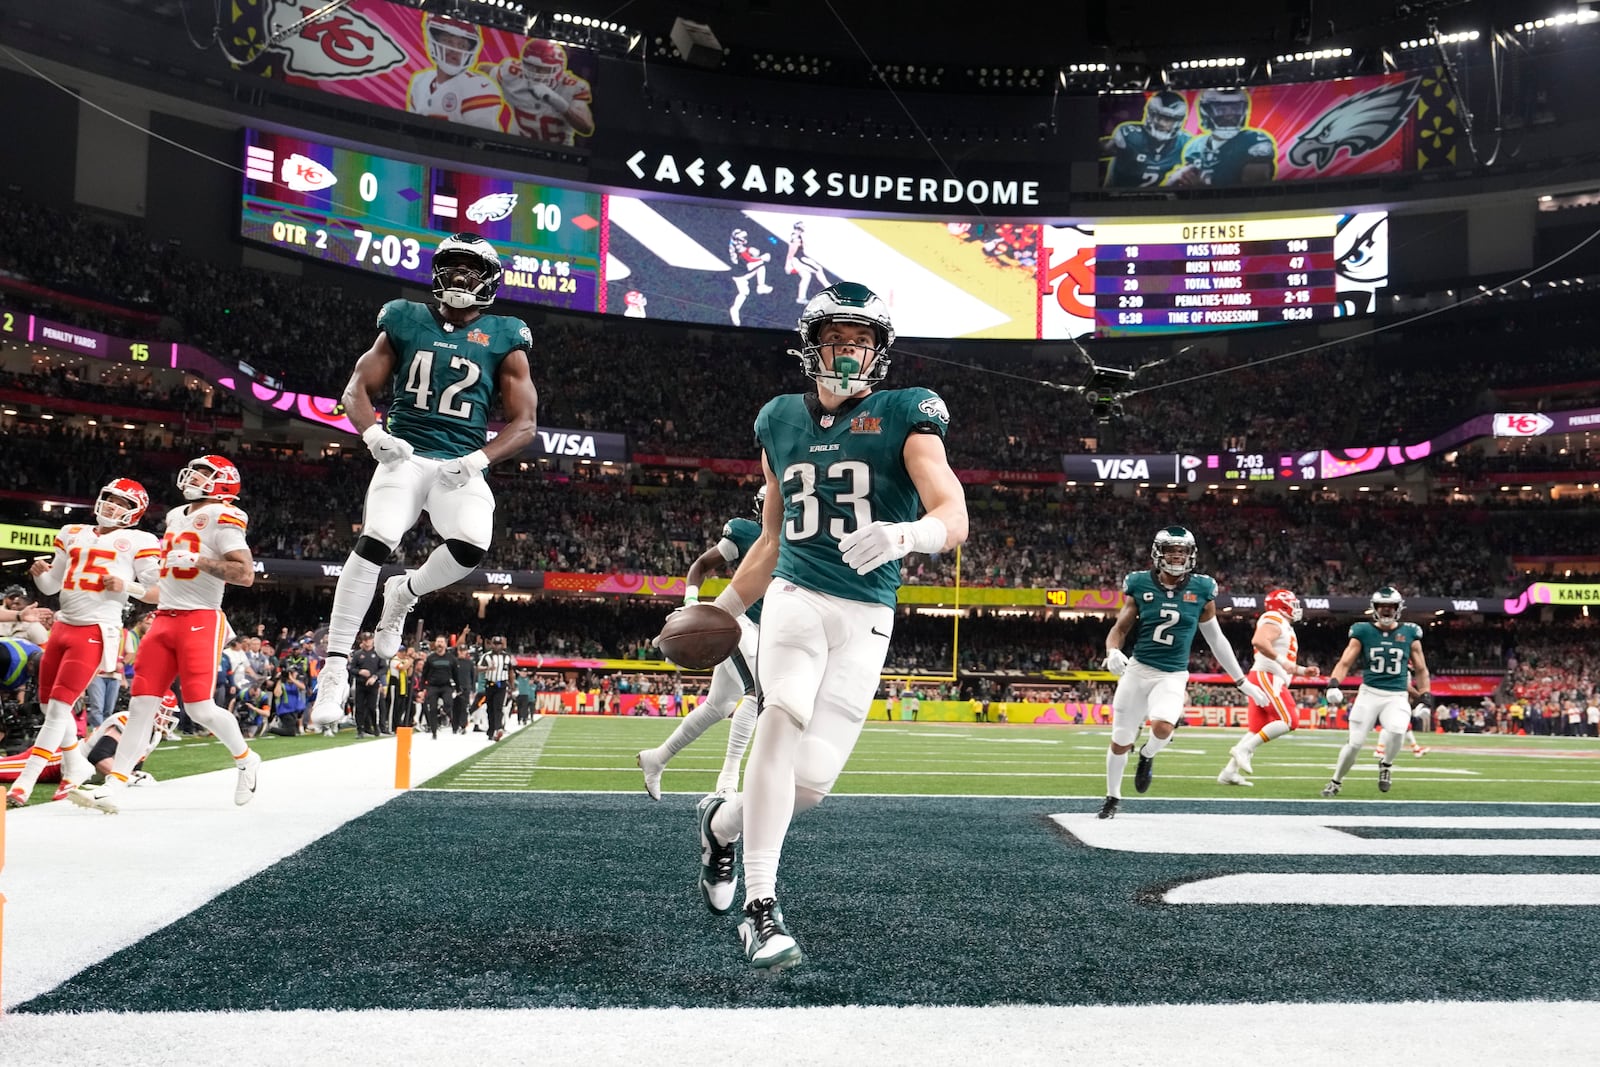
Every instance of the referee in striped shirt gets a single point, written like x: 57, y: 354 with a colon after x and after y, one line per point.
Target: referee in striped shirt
x: 496, y: 665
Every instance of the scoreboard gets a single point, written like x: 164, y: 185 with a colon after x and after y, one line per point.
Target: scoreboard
x: 1161, y: 277
x: 365, y: 211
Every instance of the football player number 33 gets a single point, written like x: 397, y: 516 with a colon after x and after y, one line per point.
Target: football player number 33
x: 419, y: 383
x: 808, y: 522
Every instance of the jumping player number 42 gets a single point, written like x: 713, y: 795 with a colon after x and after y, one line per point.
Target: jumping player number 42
x: 444, y: 364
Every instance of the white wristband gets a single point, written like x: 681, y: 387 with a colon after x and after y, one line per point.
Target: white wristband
x: 476, y: 460
x: 691, y: 594
x: 928, y: 534
x: 729, y: 601
x: 137, y: 590
x: 375, y: 430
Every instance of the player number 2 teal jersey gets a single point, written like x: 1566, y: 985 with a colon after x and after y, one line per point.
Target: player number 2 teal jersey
x: 1168, y: 618
x: 1386, y: 654
x: 841, y: 471
x: 444, y: 379
x: 742, y: 533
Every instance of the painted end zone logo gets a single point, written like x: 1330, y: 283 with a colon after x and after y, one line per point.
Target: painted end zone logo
x: 1339, y: 835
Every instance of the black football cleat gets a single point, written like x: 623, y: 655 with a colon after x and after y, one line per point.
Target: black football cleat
x: 1385, y: 774
x: 1108, y: 810
x: 1332, y: 788
x: 1143, y: 773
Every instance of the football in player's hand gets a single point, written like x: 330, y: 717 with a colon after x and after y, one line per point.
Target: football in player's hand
x: 698, y: 636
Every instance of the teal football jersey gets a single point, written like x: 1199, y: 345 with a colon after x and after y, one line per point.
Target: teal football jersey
x: 841, y: 471
x: 1168, y: 618
x: 1386, y: 654
x: 743, y: 533
x: 444, y: 379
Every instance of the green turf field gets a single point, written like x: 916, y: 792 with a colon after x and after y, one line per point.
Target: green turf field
x: 564, y: 753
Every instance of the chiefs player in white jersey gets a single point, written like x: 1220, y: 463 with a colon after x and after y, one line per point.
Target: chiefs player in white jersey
x: 451, y: 89
x: 548, y: 102
x: 202, y: 553
x: 1276, y: 663
x: 95, y: 569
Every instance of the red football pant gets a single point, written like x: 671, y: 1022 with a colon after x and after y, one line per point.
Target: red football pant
x: 71, y: 658
x: 186, y: 645
x: 1279, y: 710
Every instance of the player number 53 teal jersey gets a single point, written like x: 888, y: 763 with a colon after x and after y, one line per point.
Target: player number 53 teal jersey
x: 1386, y: 654
x: 444, y: 379
x: 1168, y: 618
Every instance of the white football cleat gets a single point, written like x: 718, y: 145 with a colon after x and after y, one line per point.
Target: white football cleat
x: 333, y: 688
x: 1242, y: 758
x: 1233, y: 778
x: 98, y: 798
x: 245, y: 791
x: 398, y: 600
x: 652, y: 769
x: 75, y: 769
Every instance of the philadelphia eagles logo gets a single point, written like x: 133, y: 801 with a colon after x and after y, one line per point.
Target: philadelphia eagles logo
x: 1360, y: 124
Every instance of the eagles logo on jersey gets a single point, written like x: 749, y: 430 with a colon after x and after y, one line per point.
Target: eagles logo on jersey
x: 1144, y: 153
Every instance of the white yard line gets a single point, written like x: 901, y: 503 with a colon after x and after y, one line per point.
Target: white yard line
x: 1418, y: 1034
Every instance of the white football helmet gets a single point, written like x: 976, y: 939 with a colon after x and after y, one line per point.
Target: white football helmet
x: 1224, y: 111
x: 849, y: 302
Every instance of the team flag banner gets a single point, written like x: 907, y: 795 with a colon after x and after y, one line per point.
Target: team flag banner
x: 426, y: 62
x: 1274, y: 133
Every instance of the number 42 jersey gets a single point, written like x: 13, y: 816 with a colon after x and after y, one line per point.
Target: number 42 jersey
x: 444, y: 375
x: 840, y: 471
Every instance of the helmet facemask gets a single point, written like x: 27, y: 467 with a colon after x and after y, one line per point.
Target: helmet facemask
x: 849, y: 366
x: 466, y: 272
x: 452, y: 48
x: 1387, y: 604
x: 119, y: 507
x: 201, y: 480
x: 1173, y: 552
x: 1164, y: 115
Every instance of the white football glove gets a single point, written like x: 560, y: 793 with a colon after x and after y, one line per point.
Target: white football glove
x: 461, y: 470
x: 1116, y: 661
x: 870, y: 547
x: 1335, y: 695
x: 181, y: 559
x: 1254, y: 693
x: 385, y: 447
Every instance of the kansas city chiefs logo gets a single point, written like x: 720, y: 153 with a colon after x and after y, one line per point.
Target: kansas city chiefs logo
x: 1358, y: 124
x: 345, y: 44
x: 304, y: 174
x: 492, y: 208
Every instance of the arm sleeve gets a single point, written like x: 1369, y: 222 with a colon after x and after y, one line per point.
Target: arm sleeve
x: 49, y: 583
x: 728, y: 549
x: 1211, y: 630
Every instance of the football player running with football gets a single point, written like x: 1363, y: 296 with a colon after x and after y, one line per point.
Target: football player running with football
x: 1277, y: 654
x: 1168, y: 603
x: 95, y: 569
x: 1391, y: 658
x: 733, y: 683
x: 856, y: 478
x: 443, y: 363
x: 202, y: 553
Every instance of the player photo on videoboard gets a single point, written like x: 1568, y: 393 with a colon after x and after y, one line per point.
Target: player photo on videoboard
x: 430, y: 63
x: 1249, y: 135
x: 758, y: 267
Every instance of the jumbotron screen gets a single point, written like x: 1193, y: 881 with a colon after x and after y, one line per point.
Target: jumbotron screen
x: 712, y: 262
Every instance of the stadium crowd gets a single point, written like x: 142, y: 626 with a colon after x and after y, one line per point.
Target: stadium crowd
x: 668, y: 388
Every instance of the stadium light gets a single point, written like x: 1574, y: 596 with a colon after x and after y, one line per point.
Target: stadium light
x: 1317, y: 54
x: 1569, y: 18
x: 1459, y: 37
